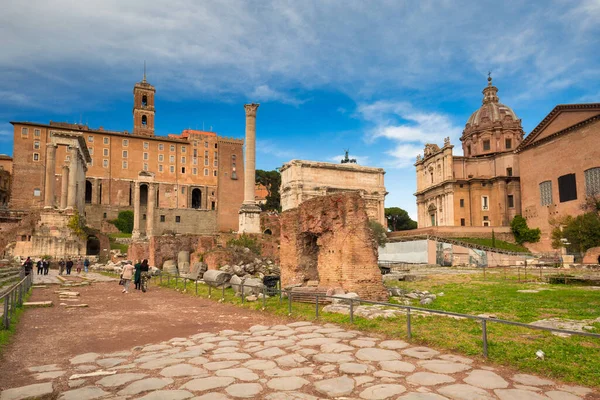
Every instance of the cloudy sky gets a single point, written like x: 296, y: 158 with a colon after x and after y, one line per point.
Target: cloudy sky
x: 379, y: 78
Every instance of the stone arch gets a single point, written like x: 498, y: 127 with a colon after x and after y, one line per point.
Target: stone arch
x: 144, y: 194
x: 196, y: 198
x: 92, y: 246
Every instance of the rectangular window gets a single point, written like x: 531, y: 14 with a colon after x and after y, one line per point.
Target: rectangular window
x: 172, y: 147
x: 177, y: 219
x: 161, y: 147
x: 486, y: 145
x: 206, y: 161
x: 508, y: 144
x: 37, y: 192
x: 144, y: 217
x: 213, y: 205
x: 183, y: 190
x: 509, y: 171
x: 37, y: 133
x: 511, y: 201
x: 206, y: 144
x: 194, y: 161
x: 146, y: 145
x: 24, y: 132
x: 36, y: 145
x: 195, y: 152
x: 205, y: 171
x: 105, y: 152
x: 161, y: 158
x: 106, y: 140
x: 183, y: 149
x: 124, y: 164
x: 125, y: 142
x: 183, y: 170
x: 105, y: 163
x: 160, y: 168
x: 183, y: 160
x: 90, y: 138
x: 567, y: 188
x: 486, y: 223
x: 206, y: 154
x: 145, y: 156
x: 124, y: 153
x: 145, y: 166
x: 546, y: 193
x: 484, y: 203
x: 216, y: 155
x: 172, y: 159
x: 91, y: 151
x: 461, y: 185
x: 195, y: 171
x: 214, y: 172
x: 36, y: 156
x: 103, y: 215
x: 162, y: 218
x: 462, y: 202
x: 172, y: 169
x: 462, y: 222
x: 215, y: 163
x: 592, y: 181
x: 195, y: 143
x: 486, y: 218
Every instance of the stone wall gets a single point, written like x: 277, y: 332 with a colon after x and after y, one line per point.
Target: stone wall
x: 328, y: 239
x: 500, y: 232
x: 591, y: 256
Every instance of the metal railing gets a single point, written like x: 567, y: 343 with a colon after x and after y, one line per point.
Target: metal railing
x: 13, y: 299
x: 482, y: 320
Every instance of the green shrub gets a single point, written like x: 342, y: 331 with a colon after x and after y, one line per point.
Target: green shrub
x: 245, y: 241
x: 379, y: 233
x: 124, y: 221
x: 522, y: 232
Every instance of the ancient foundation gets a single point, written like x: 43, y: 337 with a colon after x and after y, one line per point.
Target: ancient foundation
x: 327, y: 239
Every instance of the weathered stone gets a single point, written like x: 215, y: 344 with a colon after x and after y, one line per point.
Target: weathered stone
x: 110, y: 362
x: 363, y: 379
x: 518, y: 394
x: 290, y: 396
x: 455, y: 358
x: 422, y: 353
x: 212, y: 396
x: 270, y: 353
x: 27, y: 392
x: 578, y: 390
x: 84, y: 358
x: 202, y: 384
x: 362, y: 343
x: 291, y: 372
x: 49, y: 375
x: 386, y: 374
x: 167, y: 395
x: 335, y: 348
x: 381, y: 392
x: 486, y: 380
x: 333, y: 357
x: 145, y: 385
x: 429, y: 379
x: 156, y: 347
x: 397, y: 366
x: 335, y: 387
x: 92, y: 374
x: 465, y: 392
x: 120, y: 379
x: 76, y: 383
x: 531, y: 380
x: 559, y: 395
x: 288, y: 383
x: 243, y: 374
x: 216, y: 278
x: 244, y: 390
x: 444, y: 367
x: 422, y: 396
x: 160, y: 363
x: 393, y: 344
x: 317, y: 341
x: 213, y: 366
x: 374, y: 354
x: 84, y: 393
x: 291, y: 360
x: 198, y: 360
x: 231, y: 356
x: 346, y: 298
x: 260, y: 365
x: 189, y: 353
x: 182, y: 370
x: 354, y: 368
x: 44, y: 368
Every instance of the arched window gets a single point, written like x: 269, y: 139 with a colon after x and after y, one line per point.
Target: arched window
x: 144, y: 101
x: 592, y: 181
x: 144, y: 120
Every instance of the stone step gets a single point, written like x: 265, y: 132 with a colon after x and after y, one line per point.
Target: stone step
x: 38, y: 304
x: 75, y: 305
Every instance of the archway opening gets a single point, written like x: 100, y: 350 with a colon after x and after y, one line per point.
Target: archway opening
x: 88, y: 192
x: 196, y: 198
x: 93, y: 246
x: 268, y: 232
x: 143, y: 195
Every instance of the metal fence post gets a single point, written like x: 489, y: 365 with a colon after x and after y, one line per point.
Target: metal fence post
x: 184, y: 283
x: 209, y: 291
x: 264, y: 298
x: 223, y: 293
x: 243, y: 294
x: 484, y: 335
x: 519, y: 270
x: 21, y: 295
x: 317, y: 307
x: 408, y: 327
x: 289, y: 302
x: 169, y: 279
x: 176, y: 280
x: 196, y: 287
x: 280, y: 292
x: 6, y: 319
x: 351, y: 311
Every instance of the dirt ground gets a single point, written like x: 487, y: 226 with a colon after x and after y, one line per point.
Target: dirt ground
x: 113, y: 322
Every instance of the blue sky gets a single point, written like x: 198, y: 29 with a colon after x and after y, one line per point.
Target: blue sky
x: 380, y: 78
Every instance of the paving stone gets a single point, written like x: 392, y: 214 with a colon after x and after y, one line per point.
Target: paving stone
x: 290, y: 372
x: 455, y: 358
x: 381, y: 392
x: 222, y: 350
x: 258, y: 328
x: 203, y: 346
x: 76, y: 383
x: 291, y: 360
x: 260, y: 364
x: 317, y: 341
x: 159, y: 363
x: 145, y: 385
x: 49, y: 375
x: 110, y: 362
x: 270, y: 353
x: 336, y: 348
x: 167, y: 395
x: 182, y: 370
x: 84, y: 358
x: 118, y: 354
x: 531, y: 380
x: 84, y: 393
x: 198, y: 360
x: 422, y: 396
x: 397, y: 366
x: 306, y: 352
x: 311, y: 335
x: 328, y: 368
x: 578, y: 390
x: 429, y: 378
x: 486, y: 380
x: 354, y: 368
x: 532, y: 388
x: 231, y: 356
x: 244, y: 390
x: 361, y: 380
x: 374, y: 354
x: 393, y: 344
x: 189, y: 353
x: 518, y: 394
x: 202, y: 384
x: 333, y: 357
x: 444, y: 367
x: 126, y: 366
x: 362, y: 343
x: 342, y: 335
x: 465, y: 392
x: 27, y: 392
x: 156, y: 347
x: 149, y: 357
x: 386, y: 374
x: 559, y: 395
x: 44, y: 368
x: 213, y: 366
x: 287, y: 383
x: 212, y: 396
x: 335, y: 387
x: 290, y: 396
x: 92, y: 374
x: 119, y: 379
x: 87, y: 368
x: 299, y: 323
x: 422, y: 353
x: 243, y: 374
x: 280, y: 343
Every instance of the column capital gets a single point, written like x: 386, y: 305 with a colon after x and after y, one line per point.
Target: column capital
x: 251, y: 109
x: 137, y: 184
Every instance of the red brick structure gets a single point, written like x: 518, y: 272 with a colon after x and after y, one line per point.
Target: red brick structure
x: 327, y: 239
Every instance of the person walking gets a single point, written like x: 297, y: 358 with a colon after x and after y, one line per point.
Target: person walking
x: 46, y: 265
x: 61, y: 266
x: 79, y: 265
x: 69, y: 266
x: 126, y: 276
x: 138, y: 275
x: 28, y: 265
x: 144, y: 272
x: 86, y: 265
x: 40, y: 267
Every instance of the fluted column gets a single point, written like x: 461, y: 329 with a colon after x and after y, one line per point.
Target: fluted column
x: 50, y: 172
x: 64, y: 188
x: 73, y: 177
x: 136, y: 211
x: 150, y: 210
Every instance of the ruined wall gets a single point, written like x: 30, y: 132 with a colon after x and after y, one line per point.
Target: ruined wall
x: 328, y: 239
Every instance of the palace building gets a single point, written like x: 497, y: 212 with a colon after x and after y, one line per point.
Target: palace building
x: 192, y: 182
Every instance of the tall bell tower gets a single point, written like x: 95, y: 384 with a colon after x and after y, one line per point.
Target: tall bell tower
x: 143, y: 107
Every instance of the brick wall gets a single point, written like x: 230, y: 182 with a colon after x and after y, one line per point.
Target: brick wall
x: 327, y: 238
x: 230, y: 190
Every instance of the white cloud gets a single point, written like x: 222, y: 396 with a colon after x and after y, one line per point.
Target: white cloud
x: 270, y: 148
x: 266, y: 94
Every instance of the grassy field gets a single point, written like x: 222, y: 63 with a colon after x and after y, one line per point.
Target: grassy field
x: 499, y: 244
x: 5, y: 334
x: 120, y: 246
x: 574, y: 359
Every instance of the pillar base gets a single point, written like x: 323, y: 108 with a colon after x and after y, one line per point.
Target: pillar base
x: 249, y: 218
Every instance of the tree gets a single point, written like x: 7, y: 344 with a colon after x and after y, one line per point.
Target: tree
x: 124, y: 221
x: 398, y: 219
x: 522, y: 232
x: 271, y: 180
x: 582, y: 232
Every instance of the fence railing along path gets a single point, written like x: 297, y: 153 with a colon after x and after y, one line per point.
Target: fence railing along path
x: 13, y: 299
x: 357, y: 302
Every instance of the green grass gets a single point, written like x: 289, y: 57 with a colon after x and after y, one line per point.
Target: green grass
x: 574, y: 359
x: 119, y: 235
x: 500, y: 244
x: 118, y: 246
x: 6, y: 334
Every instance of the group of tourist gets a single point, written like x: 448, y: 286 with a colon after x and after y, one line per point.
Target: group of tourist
x: 136, y: 272
x: 43, y: 265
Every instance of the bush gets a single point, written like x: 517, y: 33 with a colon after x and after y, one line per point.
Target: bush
x: 245, y: 241
x: 522, y: 232
x: 124, y: 221
x: 379, y: 233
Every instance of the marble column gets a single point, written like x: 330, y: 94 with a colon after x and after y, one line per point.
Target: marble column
x: 136, y: 211
x: 95, y: 191
x: 73, y: 177
x: 64, y: 188
x: 150, y: 210
x: 250, y: 212
x: 50, y: 173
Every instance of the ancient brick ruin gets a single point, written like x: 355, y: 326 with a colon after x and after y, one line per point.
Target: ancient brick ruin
x: 327, y: 239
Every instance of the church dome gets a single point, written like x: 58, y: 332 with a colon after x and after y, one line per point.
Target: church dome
x: 491, y: 110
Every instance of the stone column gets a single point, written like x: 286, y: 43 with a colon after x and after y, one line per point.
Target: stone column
x: 136, y: 211
x: 64, y: 186
x: 250, y: 212
x: 73, y: 176
x: 95, y: 191
x: 150, y: 210
x: 50, y: 172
